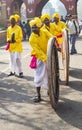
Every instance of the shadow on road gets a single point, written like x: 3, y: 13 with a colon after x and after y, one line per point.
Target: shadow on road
x: 18, y: 119
x: 69, y: 112
x: 76, y: 73
x: 15, y: 89
x: 16, y: 94
x: 77, y: 85
x: 3, y: 63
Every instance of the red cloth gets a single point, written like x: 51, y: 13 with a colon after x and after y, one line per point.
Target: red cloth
x: 7, y: 46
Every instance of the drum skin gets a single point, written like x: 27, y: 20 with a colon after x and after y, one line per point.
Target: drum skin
x: 65, y: 50
x: 53, y: 72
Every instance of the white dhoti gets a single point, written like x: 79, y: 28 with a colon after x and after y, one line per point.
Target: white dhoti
x: 40, y: 74
x: 15, y: 62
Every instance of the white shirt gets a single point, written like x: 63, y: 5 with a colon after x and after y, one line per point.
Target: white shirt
x: 71, y: 27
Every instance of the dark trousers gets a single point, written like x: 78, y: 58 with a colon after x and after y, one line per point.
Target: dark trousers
x: 72, y: 42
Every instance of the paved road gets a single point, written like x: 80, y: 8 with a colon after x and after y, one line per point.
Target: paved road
x: 17, y: 110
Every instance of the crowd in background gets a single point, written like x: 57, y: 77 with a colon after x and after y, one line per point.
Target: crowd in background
x: 25, y: 29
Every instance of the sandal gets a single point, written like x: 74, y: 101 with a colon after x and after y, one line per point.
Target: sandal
x: 37, y: 99
x: 11, y: 74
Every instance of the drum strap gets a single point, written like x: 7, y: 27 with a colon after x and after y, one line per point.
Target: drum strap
x: 75, y: 26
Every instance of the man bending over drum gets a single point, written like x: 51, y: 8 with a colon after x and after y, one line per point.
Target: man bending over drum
x: 38, y: 41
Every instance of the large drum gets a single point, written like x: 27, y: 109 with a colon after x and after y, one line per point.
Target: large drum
x: 53, y: 72
x: 65, y: 56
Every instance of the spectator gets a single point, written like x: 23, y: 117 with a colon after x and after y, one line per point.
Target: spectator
x: 62, y: 19
x: 73, y: 27
x: 23, y: 26
x: 28, y: 29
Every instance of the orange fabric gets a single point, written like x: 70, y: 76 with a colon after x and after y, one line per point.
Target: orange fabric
x: 59, y: 36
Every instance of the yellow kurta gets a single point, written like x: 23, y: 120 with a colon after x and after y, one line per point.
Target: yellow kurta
x: 39, y: 44
x: 50, y: 28
x: 17, y: 46
x: 58, y: 28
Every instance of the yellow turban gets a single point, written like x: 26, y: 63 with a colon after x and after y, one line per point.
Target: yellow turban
x: 17, y: 17
x: 32, y: 23
x: 11, y: 17
x: 56, y: 15
x: 36, y: 22
x: 45, y: 16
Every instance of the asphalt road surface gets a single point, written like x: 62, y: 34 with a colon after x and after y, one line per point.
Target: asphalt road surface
x: 17, y: 110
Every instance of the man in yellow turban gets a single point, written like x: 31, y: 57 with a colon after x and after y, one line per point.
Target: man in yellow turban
x: 45, y: 18
x: 56, y: 15
x: 59, y: 25
x: 14, y: 37
x: 38, y: 41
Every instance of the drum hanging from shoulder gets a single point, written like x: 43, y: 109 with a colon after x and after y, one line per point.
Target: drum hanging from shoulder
x: 53, y: 72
